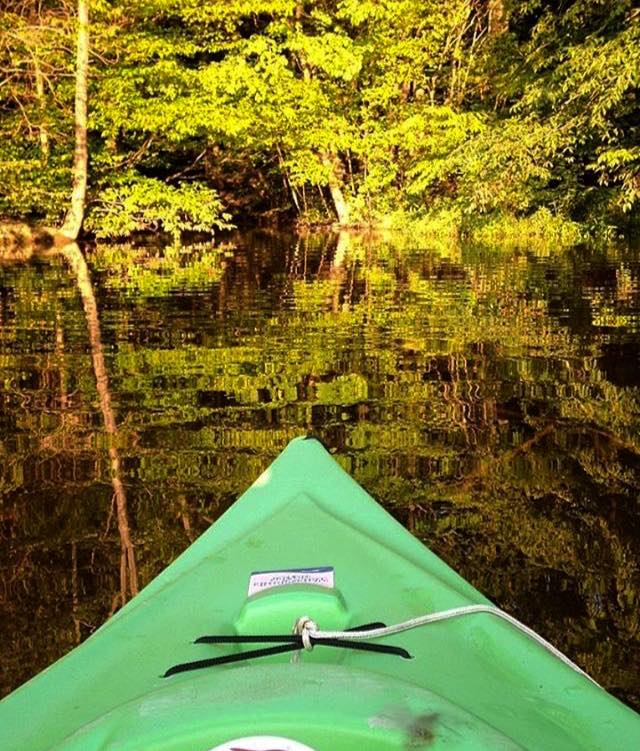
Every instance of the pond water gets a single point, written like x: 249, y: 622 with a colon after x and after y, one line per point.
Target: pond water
x: 489, y: 397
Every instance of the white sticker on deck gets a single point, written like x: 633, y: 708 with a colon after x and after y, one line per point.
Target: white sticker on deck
x: 262, y: 743
x: 261, y: 580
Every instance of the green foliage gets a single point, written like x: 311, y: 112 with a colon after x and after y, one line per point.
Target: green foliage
x: 29, y: 189
x: 287, y: 108
x: 579, y: 92
x: 542, y: 229
x: 139, y: 204
x: 35, y: 143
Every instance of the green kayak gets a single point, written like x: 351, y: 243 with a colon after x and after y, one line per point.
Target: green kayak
x: 307, y: 546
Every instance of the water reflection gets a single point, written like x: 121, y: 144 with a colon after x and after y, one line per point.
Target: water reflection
x: 128, y: 568
x: 489, y: 397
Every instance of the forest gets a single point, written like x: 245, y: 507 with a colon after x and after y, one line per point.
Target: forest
x: 457, y: 114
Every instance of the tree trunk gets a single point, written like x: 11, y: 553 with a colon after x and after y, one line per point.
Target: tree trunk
x: 45, y: 147
x: 340, y: 203
x: 75, y: 215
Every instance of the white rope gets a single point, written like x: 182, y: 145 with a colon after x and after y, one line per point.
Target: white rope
x: 305, y: 627
x: 309, y: 630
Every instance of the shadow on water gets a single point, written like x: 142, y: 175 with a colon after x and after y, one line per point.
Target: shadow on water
x: 488, y: 397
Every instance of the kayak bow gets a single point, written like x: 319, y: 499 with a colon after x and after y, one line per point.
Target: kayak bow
x: 306, y: 548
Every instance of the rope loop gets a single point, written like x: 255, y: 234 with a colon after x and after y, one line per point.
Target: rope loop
x: 304, y: 626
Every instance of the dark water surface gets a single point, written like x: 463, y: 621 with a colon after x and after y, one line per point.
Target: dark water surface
x: 489, y: 397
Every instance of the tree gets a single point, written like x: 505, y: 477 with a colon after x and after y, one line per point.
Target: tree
x: 75, y: 215
x: 327, y: 110
x: 35, y: 57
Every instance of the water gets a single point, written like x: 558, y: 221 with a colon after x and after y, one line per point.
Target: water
x: 488, y: 397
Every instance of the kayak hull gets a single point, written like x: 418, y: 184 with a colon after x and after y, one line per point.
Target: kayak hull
x: 326, y: 550
x: 351, y: 708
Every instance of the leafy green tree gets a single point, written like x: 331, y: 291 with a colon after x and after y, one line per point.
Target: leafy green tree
x: 566, y: 134
x: 35, y: 107
x: 333, y: 110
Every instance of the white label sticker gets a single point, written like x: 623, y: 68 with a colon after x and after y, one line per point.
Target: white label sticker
x: 262, y: 743
x: 261, y: 580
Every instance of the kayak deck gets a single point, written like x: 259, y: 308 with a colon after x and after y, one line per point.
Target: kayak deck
x: 472, y: 683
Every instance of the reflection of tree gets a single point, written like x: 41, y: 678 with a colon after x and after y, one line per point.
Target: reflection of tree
x: 128, y: 570
x: 448, y: 386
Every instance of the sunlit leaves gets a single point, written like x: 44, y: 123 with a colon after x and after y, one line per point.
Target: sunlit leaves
x: 146, y: 204
x: 407, y: 106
